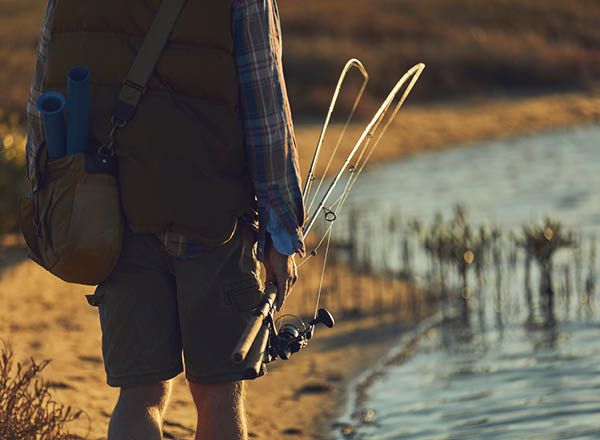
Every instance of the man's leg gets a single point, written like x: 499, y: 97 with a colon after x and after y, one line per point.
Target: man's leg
x: 139, y: 412
x: 141, y: 341
x: 221, y: 414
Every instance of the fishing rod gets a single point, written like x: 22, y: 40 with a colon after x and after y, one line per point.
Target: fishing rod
x: 289, y: 334
x: 351, y: 64
x: 365, y: 139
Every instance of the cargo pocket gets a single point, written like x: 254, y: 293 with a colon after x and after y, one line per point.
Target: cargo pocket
x: 244, y: 297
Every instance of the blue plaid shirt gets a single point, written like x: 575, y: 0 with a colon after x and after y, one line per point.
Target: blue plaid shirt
x: 266, y: 118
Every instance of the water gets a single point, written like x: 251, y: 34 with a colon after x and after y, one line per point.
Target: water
x: 503, y: 182
x: 496, y: 370
x: 512, y: 384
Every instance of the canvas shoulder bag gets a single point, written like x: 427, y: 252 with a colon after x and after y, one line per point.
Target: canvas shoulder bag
x: 72, y: 222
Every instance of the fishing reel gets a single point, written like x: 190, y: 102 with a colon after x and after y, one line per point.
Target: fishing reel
x: 289, y: 334
x: 274, y: 339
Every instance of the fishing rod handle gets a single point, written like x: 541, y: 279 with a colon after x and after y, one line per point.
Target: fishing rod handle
x: 256, y: 357
x: 254, y: 325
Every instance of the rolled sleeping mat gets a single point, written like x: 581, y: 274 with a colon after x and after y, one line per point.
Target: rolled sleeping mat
x: 78, y: 109
x: 51, y: 105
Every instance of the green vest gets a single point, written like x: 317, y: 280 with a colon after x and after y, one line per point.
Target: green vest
x: 182, y: 165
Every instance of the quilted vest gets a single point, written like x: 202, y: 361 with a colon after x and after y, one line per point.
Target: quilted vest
x: 182, y: 165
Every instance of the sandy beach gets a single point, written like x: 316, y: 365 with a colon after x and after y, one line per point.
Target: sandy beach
x: 44, y: 318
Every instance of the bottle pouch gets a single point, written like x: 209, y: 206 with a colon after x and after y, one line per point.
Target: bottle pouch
x: 72, y: 223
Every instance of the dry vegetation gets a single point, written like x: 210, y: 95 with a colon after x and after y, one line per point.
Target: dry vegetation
x: 470, y: 47
x: 27, y: 410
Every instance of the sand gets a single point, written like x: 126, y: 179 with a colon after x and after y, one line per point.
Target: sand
x: 44, y: 318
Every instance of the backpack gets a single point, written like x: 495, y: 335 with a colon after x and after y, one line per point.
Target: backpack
x: 72, y: 221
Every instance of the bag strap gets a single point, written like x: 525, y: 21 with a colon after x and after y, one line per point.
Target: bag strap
x: 134, y: 86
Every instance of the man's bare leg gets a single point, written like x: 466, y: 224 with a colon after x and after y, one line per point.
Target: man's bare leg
x: 139, y: 412
x: 221, y: 414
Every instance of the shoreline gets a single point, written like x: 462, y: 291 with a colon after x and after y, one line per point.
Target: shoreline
x: 300, y: 398
x: 297, y: 399
x: 352, y: 414
x: 429, y: 129
x: 309, y: 392
x: 437, y: 127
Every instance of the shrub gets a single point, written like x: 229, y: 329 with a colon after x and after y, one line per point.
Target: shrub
x: 27, y: 410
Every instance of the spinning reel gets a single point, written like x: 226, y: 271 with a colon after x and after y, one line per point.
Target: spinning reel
x: 289, y: 334
x: 274, y: 339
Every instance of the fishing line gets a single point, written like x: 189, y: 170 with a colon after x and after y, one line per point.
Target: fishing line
x: 323, y: 270
x: 355, y: 170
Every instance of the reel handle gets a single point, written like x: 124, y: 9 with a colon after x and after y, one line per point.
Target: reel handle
x: 254, y: 325
x: 323, y: 317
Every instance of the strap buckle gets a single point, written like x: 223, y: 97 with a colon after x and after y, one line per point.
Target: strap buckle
x: 127, y: 100
x: 139, y: 87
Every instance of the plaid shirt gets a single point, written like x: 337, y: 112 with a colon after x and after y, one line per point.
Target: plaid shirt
x: 266, y: 119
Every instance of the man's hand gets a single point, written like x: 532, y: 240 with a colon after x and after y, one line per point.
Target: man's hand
x: 281, y: 271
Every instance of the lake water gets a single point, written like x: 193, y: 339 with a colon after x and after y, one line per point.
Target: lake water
x: 495, y: 371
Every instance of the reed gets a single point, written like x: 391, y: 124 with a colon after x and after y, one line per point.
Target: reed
x: 540, y: 243
x: 453, y: 262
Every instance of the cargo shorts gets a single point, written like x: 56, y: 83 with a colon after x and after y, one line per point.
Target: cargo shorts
x: 154, y: 307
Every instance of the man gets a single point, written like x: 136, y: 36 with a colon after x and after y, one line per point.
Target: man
x: 210, y: 148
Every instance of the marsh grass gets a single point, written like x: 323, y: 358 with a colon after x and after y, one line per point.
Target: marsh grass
x: 27, y: 409
x: 540, y: 244
x: 454, y: 262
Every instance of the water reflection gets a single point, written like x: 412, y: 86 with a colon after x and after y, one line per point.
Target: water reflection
x: 517, y: 355
x: 534, y: 380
